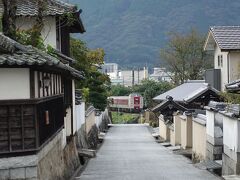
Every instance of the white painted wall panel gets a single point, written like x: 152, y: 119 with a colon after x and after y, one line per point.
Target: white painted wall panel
x: 14, y: 83
x: 231, y: 131
x: 48, y: 32
x: 234, y: 66
x: 74, y: 108
x: 68, y: 122
x: 80, y: 115
x: 224, y: 67
x: 98, y: 120
x: 210, y: 123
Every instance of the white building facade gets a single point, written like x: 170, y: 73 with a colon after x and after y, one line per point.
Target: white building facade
x: 224, y: 42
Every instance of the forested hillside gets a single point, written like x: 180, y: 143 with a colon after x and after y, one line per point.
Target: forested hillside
x: 133, y: 31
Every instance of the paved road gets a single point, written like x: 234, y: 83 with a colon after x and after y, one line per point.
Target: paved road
x: 130, y: 153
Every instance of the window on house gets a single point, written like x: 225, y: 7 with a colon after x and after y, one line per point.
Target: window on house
x: 220, y: 61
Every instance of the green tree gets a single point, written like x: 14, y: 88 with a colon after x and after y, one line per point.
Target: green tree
x: 89, y: 61
x: 120, y: 90
x: 184, y: 56
x: 149, y: 89
x: 98, y: 89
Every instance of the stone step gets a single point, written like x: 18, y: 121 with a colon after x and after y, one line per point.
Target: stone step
x: 165, y: 144
x: 232, y: 177
x: 101, y: 136
x: 174, y: 148
x: 209, y: 165
x: 155, y: 135
x: 87, y: 153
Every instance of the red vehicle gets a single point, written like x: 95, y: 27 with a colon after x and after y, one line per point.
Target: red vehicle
x: 131, y: 103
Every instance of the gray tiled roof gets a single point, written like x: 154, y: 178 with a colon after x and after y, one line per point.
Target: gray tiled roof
x: 30, y: 7
x: 233, y: 86
x: 201, y: 119
x: 165, y: 104
x: 14, y: 54
x: 186, y: 92
x: 227, y: 37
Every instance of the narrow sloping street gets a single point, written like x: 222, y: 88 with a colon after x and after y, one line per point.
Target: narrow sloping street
x: 129, y: 152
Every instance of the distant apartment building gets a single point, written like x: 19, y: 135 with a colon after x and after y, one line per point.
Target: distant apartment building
x: 111, y: 69
x: 124, y: 77
x: 133, y: 77
x: 160, y: 74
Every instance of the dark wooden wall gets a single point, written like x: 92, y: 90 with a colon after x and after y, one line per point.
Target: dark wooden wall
x: 25, y: 126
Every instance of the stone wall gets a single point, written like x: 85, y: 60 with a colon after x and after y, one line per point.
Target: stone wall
x: 214, y: 145
x: 106, y: 119
x: 89, y: 139
x: 231, y: 166
x: 150, y: 118
x: 19, y: 168
x: 90, y: 119
x: 58, y: 163
x: 53, y: 162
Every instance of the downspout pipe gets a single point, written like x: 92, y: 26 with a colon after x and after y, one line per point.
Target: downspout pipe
x: 228, y: 66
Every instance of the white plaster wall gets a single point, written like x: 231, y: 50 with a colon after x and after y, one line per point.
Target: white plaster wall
x: 224, y: 68
x: 199, y: 140
x: 36, y: 84
x: 177, y: 129
x: 164, y: 131
x: 234, y: 66
x: 210, y: 123
x: 80, y: 115
x: 98, y: 120
x: 90, y: 121
x: 186, y: 132
x: 67, y: 122
x: 48, y: 32
x: 74, y: 108
x: 172, y: 137
x: 231, y: 128
x: 15, y: 83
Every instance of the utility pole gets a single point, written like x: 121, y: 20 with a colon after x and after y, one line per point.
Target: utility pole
x: 133, y: 78
x: 138, y: 75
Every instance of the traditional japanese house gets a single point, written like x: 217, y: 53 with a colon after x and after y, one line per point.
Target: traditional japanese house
x: 190, y: 96
x: 167, y: 108
x: 33, y: 96
x: 194, y: 94
x: 59, y: 21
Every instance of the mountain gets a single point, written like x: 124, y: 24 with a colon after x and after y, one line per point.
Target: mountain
x: 133, y: 31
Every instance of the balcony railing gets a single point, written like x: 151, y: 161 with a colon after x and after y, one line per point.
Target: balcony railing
x: 25, y: 125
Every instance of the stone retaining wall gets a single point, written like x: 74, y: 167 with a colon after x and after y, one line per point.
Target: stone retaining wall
x: 53, y: 162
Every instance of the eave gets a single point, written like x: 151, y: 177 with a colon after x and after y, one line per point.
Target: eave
x: 77, y: 26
